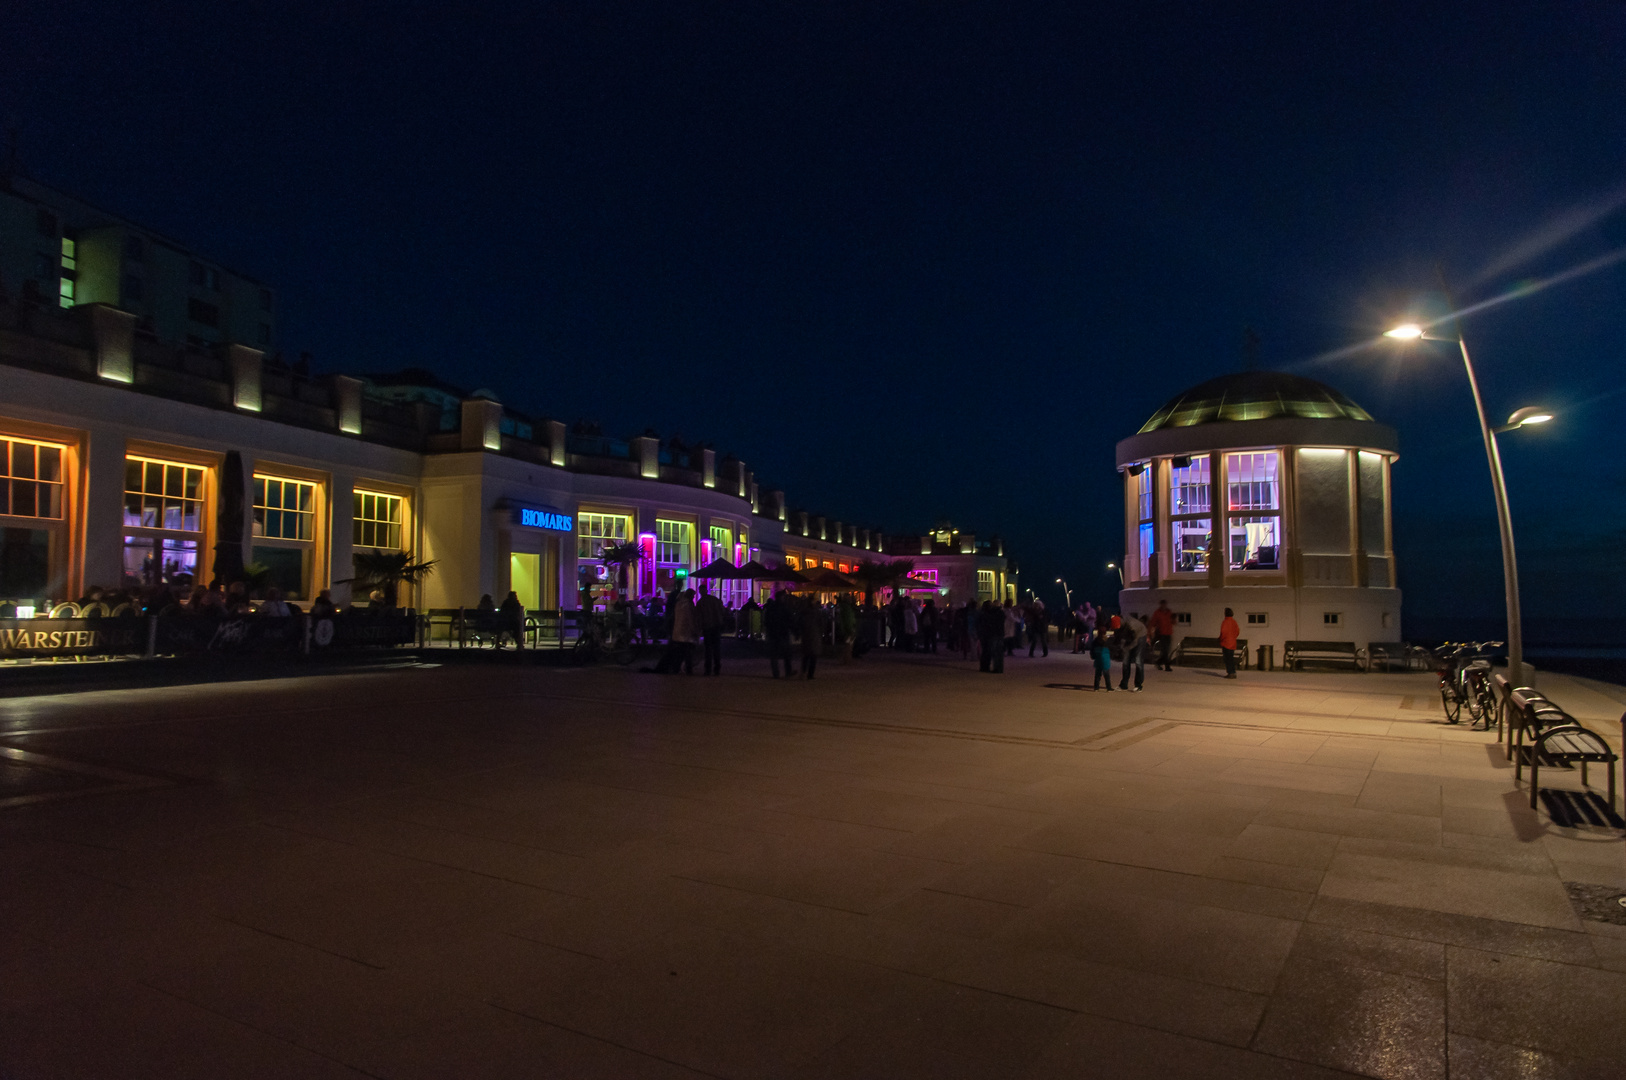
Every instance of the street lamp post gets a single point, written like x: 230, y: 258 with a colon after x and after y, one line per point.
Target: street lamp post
x: 1510, y: 566
x: 1115, y: 566
x: 1068, y: 593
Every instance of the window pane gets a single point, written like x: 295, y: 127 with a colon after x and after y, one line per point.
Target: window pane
x: 25, y: 563
x: 1252, y: 481
x: 1189, y: 491
x: 22, y: 460
x: 22, y: 498
x: 1189, y: 552
x: 1255, y: 543
x: 50, y: 463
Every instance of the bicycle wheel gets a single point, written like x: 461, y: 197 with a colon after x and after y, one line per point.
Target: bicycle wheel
x: 1451, y: 703
x: 1486, y: 700
x: 1475, y: 700
x: 585, y: 651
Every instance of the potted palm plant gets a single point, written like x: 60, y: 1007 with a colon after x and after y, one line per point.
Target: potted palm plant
x: 622, y: 557
x: 387, y: 571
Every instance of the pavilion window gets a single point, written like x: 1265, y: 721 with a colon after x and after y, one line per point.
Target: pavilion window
x: 1145, y: 488
x: 595, y: 532
x: 1190, y: 516
x: 1254, y: 510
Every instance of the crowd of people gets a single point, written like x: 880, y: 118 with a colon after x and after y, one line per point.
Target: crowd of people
x: 799, y: 629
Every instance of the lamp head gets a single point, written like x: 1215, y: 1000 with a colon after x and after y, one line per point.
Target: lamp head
x: 1530, y: 414
x: 1405, y: 332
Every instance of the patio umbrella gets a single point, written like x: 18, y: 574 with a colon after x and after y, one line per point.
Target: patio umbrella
x: 827, y: 580
x: 719, y: 570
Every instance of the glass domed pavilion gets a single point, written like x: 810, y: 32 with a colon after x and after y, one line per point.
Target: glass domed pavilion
x: 1267, y: 493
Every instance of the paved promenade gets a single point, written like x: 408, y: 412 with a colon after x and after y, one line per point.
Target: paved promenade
x: 901, y: 869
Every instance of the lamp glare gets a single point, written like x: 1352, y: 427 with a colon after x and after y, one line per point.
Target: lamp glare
x: 1405, y: 332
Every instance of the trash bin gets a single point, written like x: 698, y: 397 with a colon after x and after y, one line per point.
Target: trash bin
x: 1267, y: 658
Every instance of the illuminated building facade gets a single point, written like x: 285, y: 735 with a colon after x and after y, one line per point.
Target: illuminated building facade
x: 127, y: 461
x: 1266, y: 493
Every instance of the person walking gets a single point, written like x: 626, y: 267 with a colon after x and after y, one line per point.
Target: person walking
x: 1133, y: 633
x: 812, y: 623
x: 776, y: 623
x: 846, y: 627
x: 911, y: 624
x: 1013, y: 628
x: 1161, y: 625
x: 1228, y: 635
x: 1038, y: 627
x: 928, y: 627
x: 1101, y: 652
x: 709, y: 614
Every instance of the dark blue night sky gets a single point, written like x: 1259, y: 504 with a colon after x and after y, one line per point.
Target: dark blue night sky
x: 911, y: 261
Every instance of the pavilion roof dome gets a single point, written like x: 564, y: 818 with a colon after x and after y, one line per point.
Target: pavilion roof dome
x: 1254, y: 395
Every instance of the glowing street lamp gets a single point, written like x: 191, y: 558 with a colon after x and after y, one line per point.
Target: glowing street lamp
x: 1067, y: 592
x: 1115, y: 566
x: 1522, y: 418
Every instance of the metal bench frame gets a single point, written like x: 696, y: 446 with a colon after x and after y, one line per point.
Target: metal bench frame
x: 1332, y: 652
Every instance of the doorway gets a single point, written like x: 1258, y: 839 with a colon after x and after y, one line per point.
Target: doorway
x: 525, y: 578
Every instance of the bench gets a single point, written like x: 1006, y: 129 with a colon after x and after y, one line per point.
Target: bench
x: 1557, y: 739
x: 1529, y: 708
x: 1394, y: 654
x: 1206, y: 649
x: 1327, y: 652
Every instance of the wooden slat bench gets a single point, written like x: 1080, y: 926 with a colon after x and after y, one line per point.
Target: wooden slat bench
x: 1208, y: 649
x: 1329, y: 652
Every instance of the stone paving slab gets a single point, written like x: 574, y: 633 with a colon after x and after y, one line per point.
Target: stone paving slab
x: 903, y: 868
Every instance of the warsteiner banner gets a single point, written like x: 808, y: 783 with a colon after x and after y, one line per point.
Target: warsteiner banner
x: 71, y: 637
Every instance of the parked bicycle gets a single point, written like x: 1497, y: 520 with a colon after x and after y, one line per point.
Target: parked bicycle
x: 605, y: 638
x: 1465, y: 681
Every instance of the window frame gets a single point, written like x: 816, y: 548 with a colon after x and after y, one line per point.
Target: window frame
x: 162, y: 535
x: 1180, y: 514
x: 590, y: 545
x: 1250, y: 514
x: 359, y: 522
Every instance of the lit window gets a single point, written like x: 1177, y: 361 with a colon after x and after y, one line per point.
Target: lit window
x: 30, y: 479
x: 376, y: 522
x: 1190, y: 500
x: 595, y: 531
x: 673, y: 541
x: 722, y: 539
x: 985, y: 584
x: 163, y: 495
x: 793, y: 562
x: 65, y: 292
x: 69, y: 261
x: 284, y: 509
x: 1253, y: 484
x: 163, y: 519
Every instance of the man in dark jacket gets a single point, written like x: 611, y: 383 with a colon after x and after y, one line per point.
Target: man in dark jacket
x: 991, y: 633
x: 709, y: 613
x: 776, y: 620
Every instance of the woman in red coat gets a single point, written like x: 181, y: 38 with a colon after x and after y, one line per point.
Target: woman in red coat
x: 1229, y: 632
